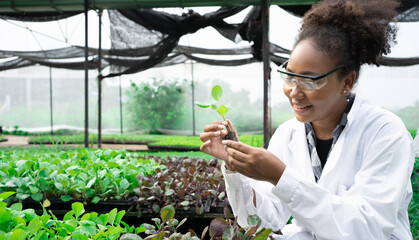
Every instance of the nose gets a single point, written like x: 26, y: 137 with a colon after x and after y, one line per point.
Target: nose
x: 295, y: 91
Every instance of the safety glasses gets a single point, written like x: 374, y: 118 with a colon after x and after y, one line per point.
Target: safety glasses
x: 305, y: 82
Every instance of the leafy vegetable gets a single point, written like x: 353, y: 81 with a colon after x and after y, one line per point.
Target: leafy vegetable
x: 79, y: 174
x: 16, y: 223
x: 228, y: 229
x: 214, y: 103
x: 190, y: 185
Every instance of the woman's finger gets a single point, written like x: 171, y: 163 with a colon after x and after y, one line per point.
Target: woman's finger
x: 204, y: 147
x: 241, y: 147
x: 231, y: 126
x: 213, y: 127
x: 205, y: 136
x: 235, y: 164
x: 237, y: 155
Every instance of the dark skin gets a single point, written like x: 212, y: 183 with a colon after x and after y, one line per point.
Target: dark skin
x: 323, y: 108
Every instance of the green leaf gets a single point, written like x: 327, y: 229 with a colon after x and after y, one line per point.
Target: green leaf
x: 160, y: 235
x: 119, y: 216
x: 79, y: 236
x: 43, y: 173
x: 91, y: 182
x: 221, y: 195
x: 85, y: 217
x: 263, y: 235
x: 34, y: 225
x: 16, y: 207
x: 46, y: 203
x: 254, y: 220
x: 29, y: 214
x: 17, y: 220
x: 37, y: 197
x: 124, y: 184
x: 78, y: 208
x: 45, y: 219
x: 95, y: 200
x: 167, y: 213
x: 130, y: 236
x: 68, y: 215
x: 203, y: 105
x: 214, y: 105
x: 69, y: 228
x: 5, y: 216
x: 65, y: 198
x: 87, y: 229
x: 216, y: 92
x: 169, y: 192
x: 250, y: 231
x: 156, y: 208
x: 42, y: 235
x: 18, y: 234
x: 140, y: 229
x: 104, y: 218
x: 222, y: 110
x: 228, y: 232
x: 5, y: 195
x: 112, y: 215
x: 59, y: 186
x: 22, y: 196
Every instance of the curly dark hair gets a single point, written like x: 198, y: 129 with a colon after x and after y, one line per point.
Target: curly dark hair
x: 353, y: 32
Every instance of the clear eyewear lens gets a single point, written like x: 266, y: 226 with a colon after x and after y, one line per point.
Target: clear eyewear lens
x: 304, y: 83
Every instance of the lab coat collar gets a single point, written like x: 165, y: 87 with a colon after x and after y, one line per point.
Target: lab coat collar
x: 336, y: 152
x: 299, y: 148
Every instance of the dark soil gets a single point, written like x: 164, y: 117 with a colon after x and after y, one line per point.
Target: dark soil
x: 231, y: 136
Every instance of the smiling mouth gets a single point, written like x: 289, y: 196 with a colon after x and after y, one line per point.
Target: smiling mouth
x: 302, y: 107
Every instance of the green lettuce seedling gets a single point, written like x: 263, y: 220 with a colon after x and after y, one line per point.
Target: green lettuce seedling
x: 214, y: 103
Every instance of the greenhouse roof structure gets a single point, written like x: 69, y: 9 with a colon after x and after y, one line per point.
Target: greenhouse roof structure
x: 18, y: 6
x: 172, y: 27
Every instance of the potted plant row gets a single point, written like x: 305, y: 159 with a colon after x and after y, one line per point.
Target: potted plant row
x: 102, y: 179
x: 77, y: 224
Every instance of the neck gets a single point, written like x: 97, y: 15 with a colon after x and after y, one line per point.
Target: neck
x: 324, y: 128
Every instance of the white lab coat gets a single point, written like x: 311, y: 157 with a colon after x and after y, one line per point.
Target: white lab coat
x: 364, y: 190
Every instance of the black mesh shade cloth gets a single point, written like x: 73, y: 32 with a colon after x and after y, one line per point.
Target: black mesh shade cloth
x: 146, y: 38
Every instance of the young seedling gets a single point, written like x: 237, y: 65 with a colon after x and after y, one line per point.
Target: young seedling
x: 214, y: 103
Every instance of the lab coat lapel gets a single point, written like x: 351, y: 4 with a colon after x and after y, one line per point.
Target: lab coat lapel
x: 336, y: 156
x: 299, y: 149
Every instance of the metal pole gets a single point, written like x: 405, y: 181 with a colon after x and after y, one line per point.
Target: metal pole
x: 193, y: 100
x: 50, y: 101
x: 120, y: 104
x: 86, y: 76
x: 267, y: 131
x: 99, y: 143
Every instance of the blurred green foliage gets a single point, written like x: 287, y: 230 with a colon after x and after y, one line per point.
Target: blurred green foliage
x: 150, y: 139
x: 156, y: 105
x: 410, y: 115
x: 414, y: 203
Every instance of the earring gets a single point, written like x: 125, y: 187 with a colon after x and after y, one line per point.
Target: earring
x: 344, y: 91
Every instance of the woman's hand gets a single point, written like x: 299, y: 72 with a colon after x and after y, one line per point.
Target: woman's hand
x: 256, y: 163
x: 211, y: 138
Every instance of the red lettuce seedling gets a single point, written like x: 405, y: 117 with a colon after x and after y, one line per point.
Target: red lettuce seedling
x: 214, y: 103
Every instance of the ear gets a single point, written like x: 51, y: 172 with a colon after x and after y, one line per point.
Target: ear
x: 348, y: 83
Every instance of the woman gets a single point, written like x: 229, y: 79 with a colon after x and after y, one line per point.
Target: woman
x: 341, y: 168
